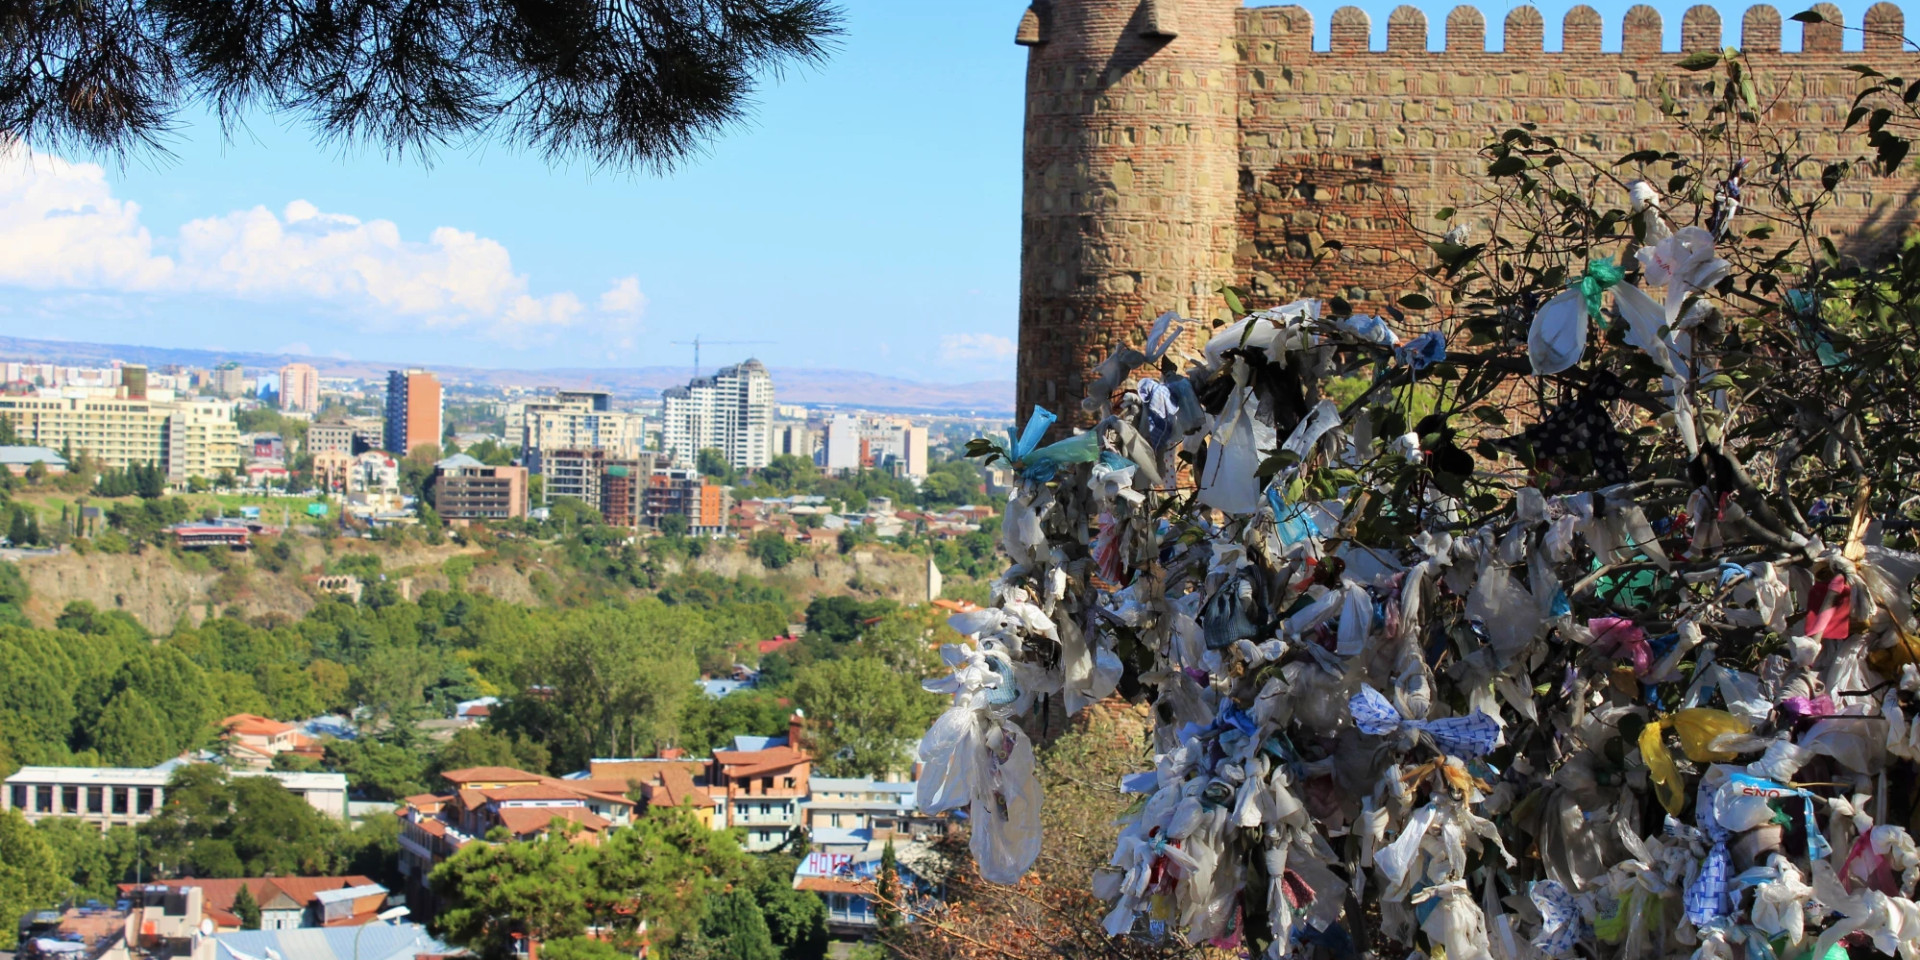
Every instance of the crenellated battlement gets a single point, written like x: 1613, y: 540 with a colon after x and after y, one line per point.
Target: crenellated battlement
x: 1175, y: 145
x: 1267, y: 30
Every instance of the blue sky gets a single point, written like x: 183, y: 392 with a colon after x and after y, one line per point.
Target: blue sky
x: 866, y: 217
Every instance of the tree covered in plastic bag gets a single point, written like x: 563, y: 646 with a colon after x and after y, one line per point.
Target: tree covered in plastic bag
x: 1567, y: 611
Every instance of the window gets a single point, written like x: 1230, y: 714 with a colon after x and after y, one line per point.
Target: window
x: 70, y: 799
x: 145, y: 800
x: 766, y: 784
x: 119, y: 799
x: 96, y: 799
x: 789, y: 783
x: 19, y: 796
x: 43, y: 799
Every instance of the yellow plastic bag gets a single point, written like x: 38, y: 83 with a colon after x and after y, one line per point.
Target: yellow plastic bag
x: 1660, y: 768
x: 1699, y: 727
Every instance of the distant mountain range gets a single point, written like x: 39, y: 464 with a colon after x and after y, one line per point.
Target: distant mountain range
x: 810, y: 386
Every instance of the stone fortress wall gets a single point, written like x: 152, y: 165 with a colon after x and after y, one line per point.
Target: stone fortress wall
x: 1175, y: 145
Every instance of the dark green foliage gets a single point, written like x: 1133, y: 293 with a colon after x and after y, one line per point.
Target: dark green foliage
x: 796, y: 919
x: 710, y: 722
x: 29, y: 874
x: 661, y: 870
x: 639, y: 88
x: 713, y: 463
x: 246, y: 908
x: 143, y: 480
x: 381, y: 771
x: 735, y: 929
x: 839, y: 619
x: 868, y: 713
x: 771, y: 549
x: 91, y: 860
x: 217, y: 826
x: 886, y: 894
x: 485, y: 747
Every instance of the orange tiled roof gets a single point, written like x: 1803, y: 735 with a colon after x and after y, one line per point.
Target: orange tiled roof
x: 522, y: 821
x: 217, y: 895
x: 490, y: 775
x: 254, y: 725
x: 832, y: 885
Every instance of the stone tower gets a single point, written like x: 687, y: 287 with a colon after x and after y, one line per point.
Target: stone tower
x: 1131, y: 167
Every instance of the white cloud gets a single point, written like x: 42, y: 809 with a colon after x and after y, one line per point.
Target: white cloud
x: 976, y: 348
x: 61, y: 228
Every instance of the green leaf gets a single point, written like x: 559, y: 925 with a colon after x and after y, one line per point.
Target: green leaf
x: 1490, y: 415
x: 1506, y: 166
x: 1233, y: 301
x: 1414, y: 301
x: 1704, y: 60
x: 1720, y: 382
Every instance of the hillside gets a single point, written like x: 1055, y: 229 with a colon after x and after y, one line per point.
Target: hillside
x: 162, y: 589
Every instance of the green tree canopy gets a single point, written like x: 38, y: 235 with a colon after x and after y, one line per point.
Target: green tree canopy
x: 216, y: 826
x: 864, y: 716
x: 30, y: 875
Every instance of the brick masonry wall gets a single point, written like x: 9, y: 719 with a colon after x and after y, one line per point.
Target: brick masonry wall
x: 1159, y: 167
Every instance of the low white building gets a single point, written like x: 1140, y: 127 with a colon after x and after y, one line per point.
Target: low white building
x: 128, y: 796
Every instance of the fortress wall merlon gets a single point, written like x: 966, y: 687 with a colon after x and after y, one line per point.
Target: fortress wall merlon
x: 1175, y: 145
x: 1641, y: 30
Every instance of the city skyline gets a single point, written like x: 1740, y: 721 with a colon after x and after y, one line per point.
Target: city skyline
x: 867, y: 217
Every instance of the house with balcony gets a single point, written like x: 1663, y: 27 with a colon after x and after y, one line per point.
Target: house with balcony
x: 762, y: 781
x: 480, y: 800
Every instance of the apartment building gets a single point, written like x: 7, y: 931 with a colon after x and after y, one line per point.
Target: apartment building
x: 685, y: 492
x: 202, y: 439
x: 414, y: 406
x: 128, y: 796
x: 731, y: 411
x: 299, y: 388
x: 466, y: 489
x: 572, y: 473
x: 578, y: 420
x: 227, y: 380
x: 331, y: 437
x: 191, y: 438
x: 762, y: 781
x: 875, y: 443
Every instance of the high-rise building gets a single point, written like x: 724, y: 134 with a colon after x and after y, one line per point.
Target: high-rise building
x: 228, y: 380
x: 843, y: 445
x: 133, y: 377
x: 299, y: 388
x: 575, y: 420
x: 332, y: 437
x: 413, y: 411
x: 731, y: 411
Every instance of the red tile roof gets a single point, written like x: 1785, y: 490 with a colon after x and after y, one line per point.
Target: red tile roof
x: 832, y: 885
x: 254, y: 725
x: 490, y: 775
x: 218, y: 894
x: 524, y: 821
x: 777, y: 643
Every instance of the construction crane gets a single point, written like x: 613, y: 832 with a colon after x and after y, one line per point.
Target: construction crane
x: 696, y: 342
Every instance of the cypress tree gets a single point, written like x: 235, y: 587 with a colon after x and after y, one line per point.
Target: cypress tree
x: 246, y: 908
